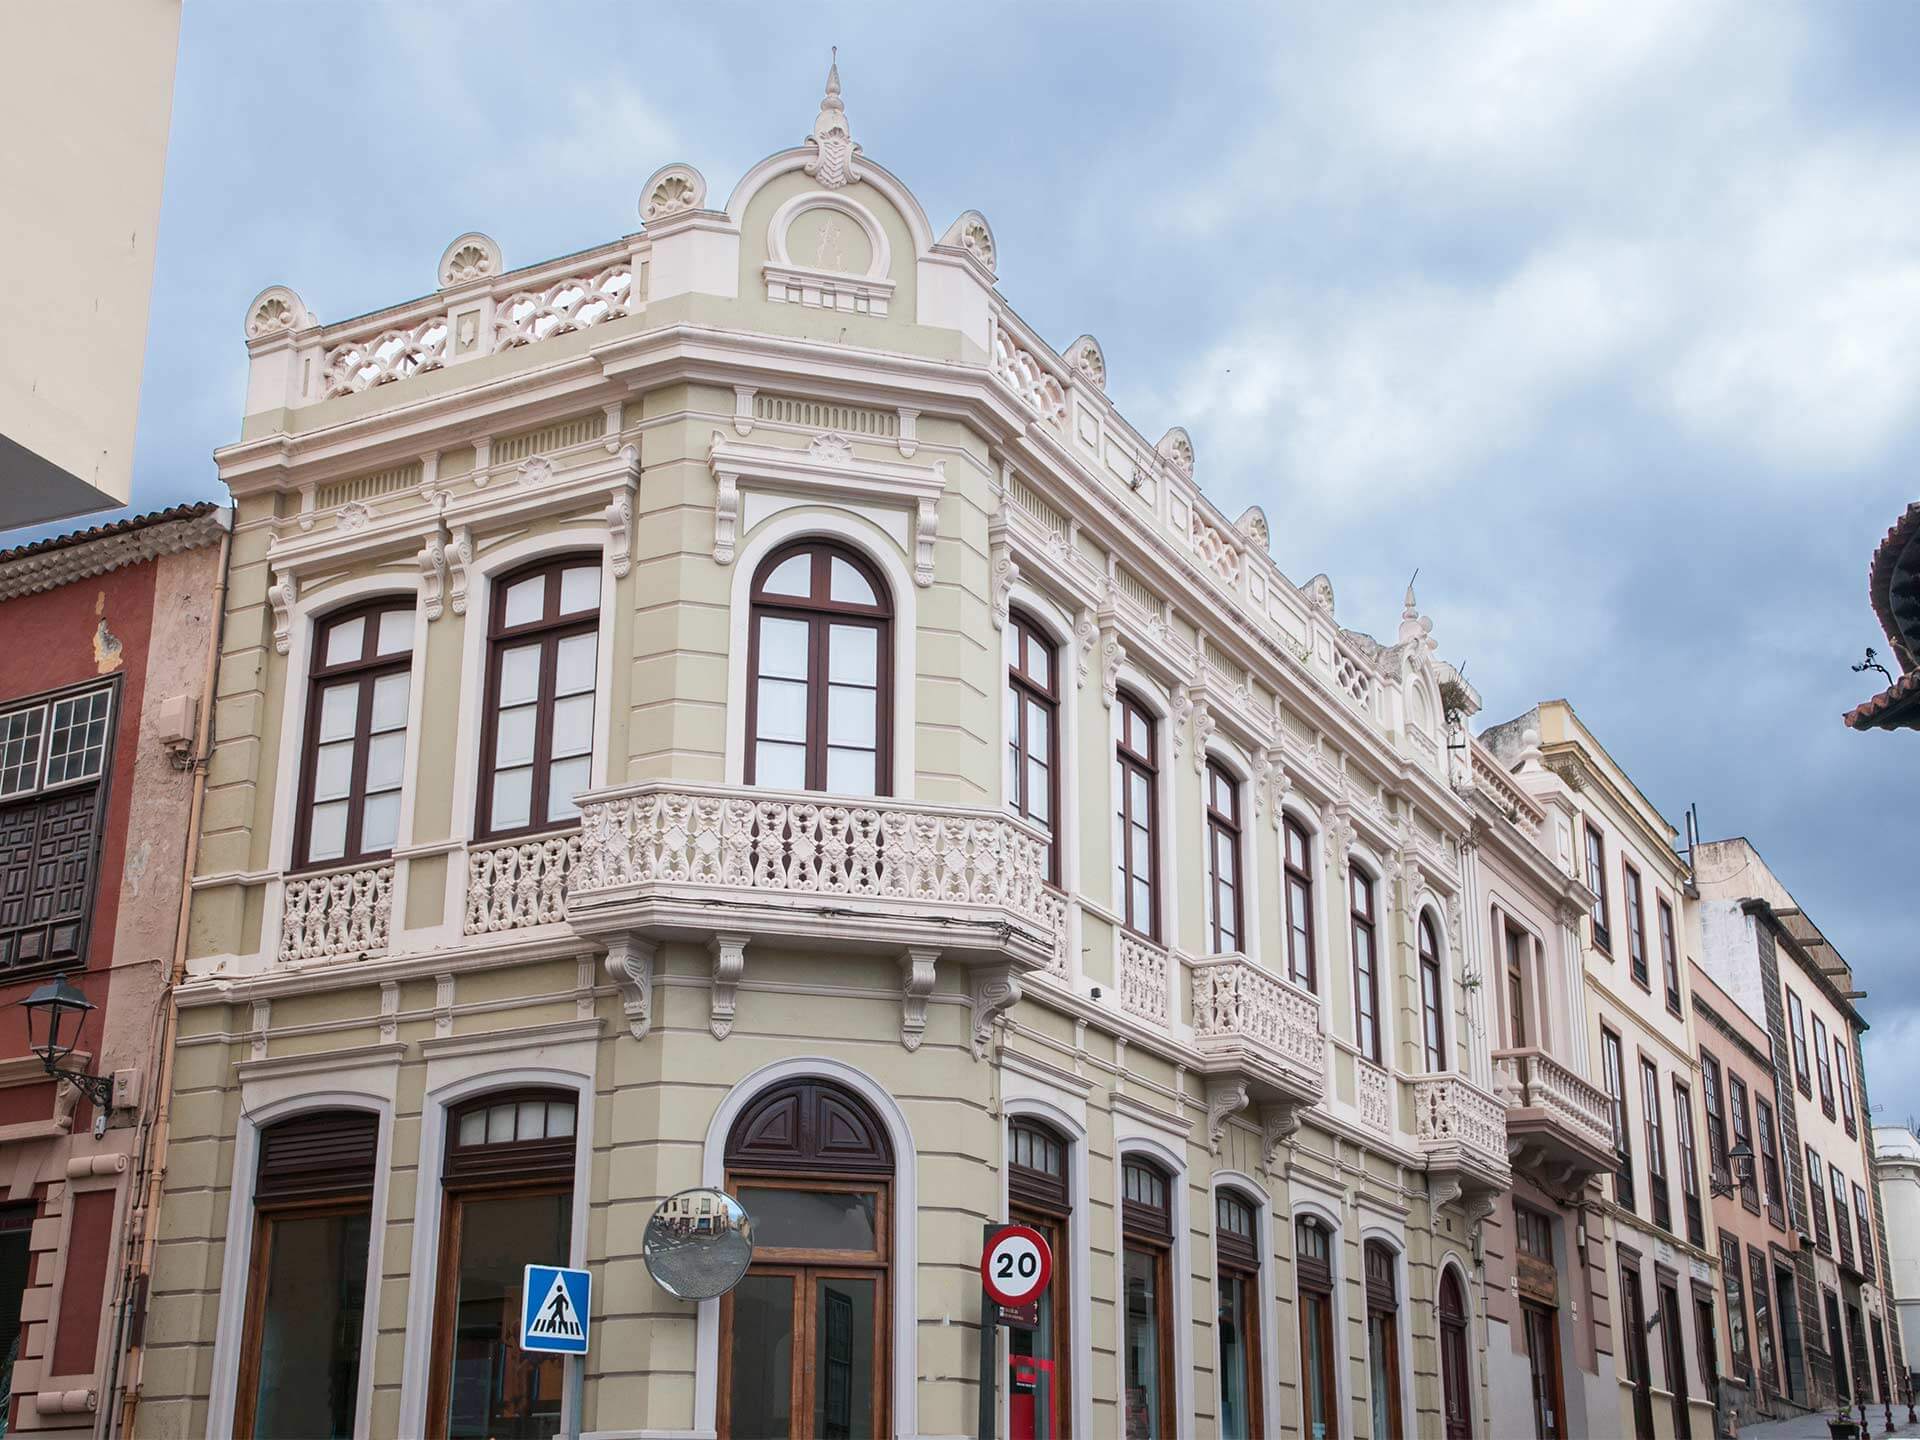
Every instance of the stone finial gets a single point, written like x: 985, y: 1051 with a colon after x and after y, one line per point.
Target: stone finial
x: 832, y: 140
x: 274, y: 309
x: 472, y: 257
x: 673, y: 190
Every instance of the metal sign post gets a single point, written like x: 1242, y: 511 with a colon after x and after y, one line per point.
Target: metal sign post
x: 1015, y: 1268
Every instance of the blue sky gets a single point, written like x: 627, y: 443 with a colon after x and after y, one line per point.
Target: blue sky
x: 1605, y: 317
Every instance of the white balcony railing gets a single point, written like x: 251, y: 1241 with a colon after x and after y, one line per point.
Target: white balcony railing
x: 1373, y: 1093
x: 341, y: 913
x: 666, y: 853
x: 510, y: 887
x: 1237, y: 1005
x: 1459, y: 1124
x: 1533, y: 1080
x: 1143, y: 970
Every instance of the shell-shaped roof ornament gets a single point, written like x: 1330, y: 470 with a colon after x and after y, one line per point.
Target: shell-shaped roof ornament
x: 1176, y: 448
x: 972, y: 234
x: 672, y: 190
x: 832, y: 139
x: 274, y: 309
x: 1320, y: 591
x: 1253, y: 525
x: 1086, y: 356
x: 471, y: 257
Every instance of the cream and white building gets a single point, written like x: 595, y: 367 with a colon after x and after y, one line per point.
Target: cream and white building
x: 736, y: 706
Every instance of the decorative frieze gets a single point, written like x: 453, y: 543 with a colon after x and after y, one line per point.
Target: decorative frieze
x: 342, y: 914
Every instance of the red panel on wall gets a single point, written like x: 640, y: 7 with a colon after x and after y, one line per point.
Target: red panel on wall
x: 76, y: 1337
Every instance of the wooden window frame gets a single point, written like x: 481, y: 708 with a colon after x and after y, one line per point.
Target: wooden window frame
x: 1843, y: 1082
x: 1766, y: 1135
x: 820, y: 612
x: 1743, y: 1135
x: 1613, y: 1072
x: 1863, y: 1226
x: 1656, y: 1138
x: 1027, y: 636
x: 1633, y: 895
x: 1824, y: 1066
x: 1149, y: 1230
x: 1797, y: 1027
x: 1455, y: 1340
x: 1361, y: 887
x: 1045, y: 1201
x: 1767, y: 1346
x: 1733, y: 1281
x: 1302, y: 970
x: 1669, y: 952
x: 553, y: 626
x: 1515, y: 954
x: 1223, y: 832
x: 1383, y: 1301
x: 1433, y: 1016
x: 1713, y: 1099
x: 367, y: 668
x: 1314, y: 1276
x: 1689, y: 1154
x: 1842, y: 1224
x: 1129, y: 761
x: 1817, y: 1201
x: 1600, y: 917
x: 1240, y: 1259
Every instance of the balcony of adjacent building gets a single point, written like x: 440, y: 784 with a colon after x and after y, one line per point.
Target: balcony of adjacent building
x: 1462, y: 1130
x: 1559, y: 1127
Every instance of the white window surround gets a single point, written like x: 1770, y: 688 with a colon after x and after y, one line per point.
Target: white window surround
x: 454, y: 1074
x: 1057, y: 626
x: 1079, y: 1264
x: 903, y: 1349
x: 1234, y: 761
x: 1395, y: 1239
x: 273, y: 1095
x: 1247, y: 1188
x: 1131, y: 1139
x: 1153, y: 699
x: 860, y: 534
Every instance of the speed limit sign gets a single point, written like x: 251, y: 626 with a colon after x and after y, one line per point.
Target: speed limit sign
x: 1016, y: 1265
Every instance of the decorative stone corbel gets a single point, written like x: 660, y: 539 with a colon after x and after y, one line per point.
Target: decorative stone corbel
x: 442, y: 1006
x: 433, y: 574
x: 459, y: 563
x: 1279, y: 1123
x: 916, y: 984
x: 629, y: 965
x: 909, y: 432
x: 1086, y: 633
x: 620, y: 525
x: 66, y: 1099
x: 1224, y: 1098
x: 1443, y: 1192
x: 1182, y: 713
x: 1479, y: 1206
x: 1006, y: 570
x: 743, y: 409
x: 1203, y: 727
x: 1112, y: 656
x: 726, y: 503
x: 282, y: 595
x: 926, y: 529
x: 262, y: 1018
x: 389, y: 1011
x: 729, y: 962
x: 1337, y: 817
x: 995, y: 989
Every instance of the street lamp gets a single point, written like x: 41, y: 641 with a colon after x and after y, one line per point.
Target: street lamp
x: 1741, y: 1158
x: 55, y: 1014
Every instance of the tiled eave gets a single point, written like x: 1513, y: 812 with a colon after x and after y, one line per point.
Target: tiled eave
x: 1893, y: 585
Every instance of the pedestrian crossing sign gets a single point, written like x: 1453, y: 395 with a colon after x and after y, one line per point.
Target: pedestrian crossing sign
x: 554, y: 1306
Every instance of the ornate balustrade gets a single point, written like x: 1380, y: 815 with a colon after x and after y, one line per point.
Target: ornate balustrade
x: 659, y: 859
x: 1373, y: 1093
x: 343, y: 914
x: 510, y: 887
x: 1143, y: 970
x: 1248, y: 1019
x: 1561, y: 1125
x: 1463, y: 1131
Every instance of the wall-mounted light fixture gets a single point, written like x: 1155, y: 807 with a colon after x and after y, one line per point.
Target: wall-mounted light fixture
x: 55, y: 1014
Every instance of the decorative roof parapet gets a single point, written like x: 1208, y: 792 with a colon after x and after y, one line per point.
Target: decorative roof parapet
x: 672, y: 190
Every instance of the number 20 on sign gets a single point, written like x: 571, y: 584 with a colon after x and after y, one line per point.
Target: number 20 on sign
x: 1016, y: 1265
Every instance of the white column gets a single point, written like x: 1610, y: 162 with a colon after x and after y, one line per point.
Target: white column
x: 1578, y: 1048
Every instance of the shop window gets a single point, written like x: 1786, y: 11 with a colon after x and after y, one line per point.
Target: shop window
x: 1146, y: 1212
x: 1039, y: 1195
x: 1237, y: 1248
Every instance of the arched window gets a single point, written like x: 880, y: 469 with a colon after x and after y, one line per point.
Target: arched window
x: 819, y: 668
x: 1033, y: 734
x: 1383, y: 1341
x: 1137, y: 866
x: 804, y: 1349
x: 542, y: 655
x: 1432, y: 1011
x: 356, y: 736
x: 1366, y: 965
x: 1039, y: 1195
x: 1313, y: 1275
x: 507, y: 1179
x: 1224, y: 905
x: 1455, y: 1357
x: 1299, y: 875
x: 1146, y: 1223
x: 307, y: 1285
x: 1237, y: 1246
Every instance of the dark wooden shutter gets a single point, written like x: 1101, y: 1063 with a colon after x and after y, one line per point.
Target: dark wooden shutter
x: 810, y: 1125
x: 319, y: 1156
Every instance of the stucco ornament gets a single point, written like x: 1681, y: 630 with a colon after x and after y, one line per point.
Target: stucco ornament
x: 1176, y: 448
x: 972, y: 234
x: 672, y: 190
x: 472, y: 257
x: 1253, y: 524
x: 1320, y: 591
x: 274, y: 309
x: 1086, y: 356
x: 832, y: 140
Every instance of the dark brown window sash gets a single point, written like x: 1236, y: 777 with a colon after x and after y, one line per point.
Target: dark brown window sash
x: 1029, y: 691
x: 1656, y: 1144
x: 1433, y: 1031
x: 1601, y: 916
x: 1743, y: 1135
x: 1366, y: 981
x: 1132, y: 762
x: 1613, y: 1068
x: 1027, y: 1185
x: 1634, y: 895
x: 820, y: 613
x: 1223, y: 833
x: 1669, y: 955
x: 365, y: 669
x: 549, y: 630
x: 1299, y: 884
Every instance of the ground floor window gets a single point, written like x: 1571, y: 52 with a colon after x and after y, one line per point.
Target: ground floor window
x: 1236, y: 1242
x: 508, y: 1203
x: 1383, y: 1341
x: 16, y: 1225
x: 1146, y: 1266
x: 1319, y: 1386
x: 300, y: 1358
x: 804, y: 1337
x: 1039, y: 1196
x: 1456, y: 1357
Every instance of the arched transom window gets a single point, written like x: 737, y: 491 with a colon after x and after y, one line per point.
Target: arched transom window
x: 819, y: 667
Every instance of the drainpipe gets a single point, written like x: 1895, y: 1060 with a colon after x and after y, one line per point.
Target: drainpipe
x: 126, y: 1388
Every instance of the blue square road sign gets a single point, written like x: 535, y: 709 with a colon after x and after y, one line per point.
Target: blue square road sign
x: 554, y: 1305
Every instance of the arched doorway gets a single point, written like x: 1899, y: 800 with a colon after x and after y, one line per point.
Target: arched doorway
x: 1456, y: 1370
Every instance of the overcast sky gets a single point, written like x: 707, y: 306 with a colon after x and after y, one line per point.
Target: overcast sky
x: 1606, y: 318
